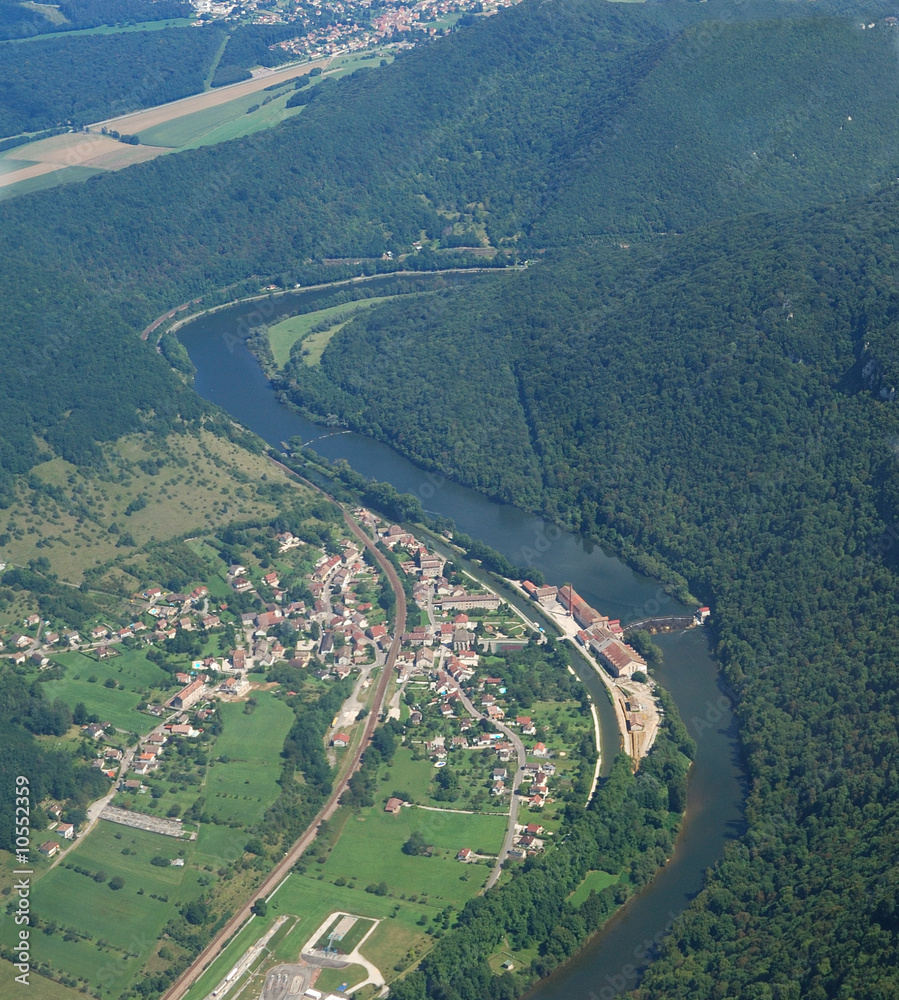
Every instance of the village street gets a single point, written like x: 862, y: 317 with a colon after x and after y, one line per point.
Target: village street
x: 515, y: 802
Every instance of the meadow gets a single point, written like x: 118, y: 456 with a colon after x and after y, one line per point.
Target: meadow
x: 594, y: 881
x: 84, y: 679
x: 244, y: 787
x: 282, y: 336
x: 95, y: 933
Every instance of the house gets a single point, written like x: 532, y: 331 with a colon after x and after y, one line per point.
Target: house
x: 132, y: 785
x: 49, y: 848
x: 95, y: 731
x: 534, y: 829
x: 393, y: 805
x: 188, y: 697
x: 702, y: 615
x: 269, y: 618
x: 238, y: 659
x: 241, y: 584
x: 32, y: 620
x: 183, y: 678
x: 498, y: 788
x: 499, y: 774
x: 539, y: 750
x: 340, y: 740
x: 464, y: 854
x: 66, y: 831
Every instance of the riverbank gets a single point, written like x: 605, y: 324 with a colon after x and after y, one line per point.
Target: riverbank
x: 328, y: 286
x: 229, y: 376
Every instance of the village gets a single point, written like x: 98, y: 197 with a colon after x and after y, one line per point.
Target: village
x: 340, y: 631
x: 334, y: 27
x: 440, y: 671
x: 180, y: 700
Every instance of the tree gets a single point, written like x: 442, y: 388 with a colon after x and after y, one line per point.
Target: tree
x: 416, y: 845
x: 79, y: 714
x: 260, y: 908
x: 116, y: 883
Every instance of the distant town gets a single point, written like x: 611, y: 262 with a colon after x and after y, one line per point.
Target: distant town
x: 332, y: 27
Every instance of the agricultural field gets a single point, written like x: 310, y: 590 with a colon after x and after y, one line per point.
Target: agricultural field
x: 94, y: 932
x: 221, y: 122
x: 85, y: 680
x: 282, y: 336
x: 246, y: 785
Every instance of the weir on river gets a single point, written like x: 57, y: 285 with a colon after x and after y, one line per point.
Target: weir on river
x: 227, y: 374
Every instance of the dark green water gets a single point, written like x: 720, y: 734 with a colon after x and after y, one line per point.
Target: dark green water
x: 227, y: 374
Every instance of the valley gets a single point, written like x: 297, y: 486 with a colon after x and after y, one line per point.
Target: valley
x: 691, y: 370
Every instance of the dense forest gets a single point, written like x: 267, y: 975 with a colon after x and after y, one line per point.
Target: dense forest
x: 85, y: 79
x: 20, y: 20
x: 697, y: 369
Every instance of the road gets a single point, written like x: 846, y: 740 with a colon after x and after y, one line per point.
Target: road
x: 282, y: 869
x: 521, y: 753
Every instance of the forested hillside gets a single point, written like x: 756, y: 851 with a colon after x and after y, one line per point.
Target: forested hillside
x: 80, y: 80
x: 696, y: 400
x: 20, y: 20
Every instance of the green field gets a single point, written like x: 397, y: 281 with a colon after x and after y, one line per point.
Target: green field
x: 282, y: 336
x: 103, y: 935
x: 330, y: 979
x: 222, y: 122
x: 593, y: 882
x: 68, y: 175
x: 39, y: 987
x: 369, y: 852
x: 103, y: 29
x: 136, y: 677
x: 246, y: 786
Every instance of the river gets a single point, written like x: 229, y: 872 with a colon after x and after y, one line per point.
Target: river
x: 227, y: 374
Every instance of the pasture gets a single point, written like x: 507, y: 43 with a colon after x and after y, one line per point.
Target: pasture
x: 98, y: 934
x: 84, y: 681
x: 246, y: 785
x: 282, y: 336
